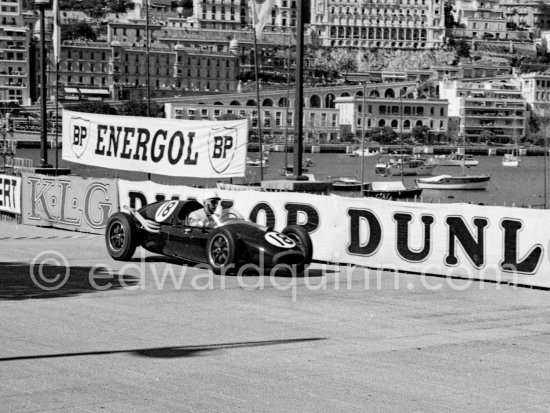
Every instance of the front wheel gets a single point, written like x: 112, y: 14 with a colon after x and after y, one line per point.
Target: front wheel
x: 302, y: 239
x: 221, y: 251
x: 121, y: 236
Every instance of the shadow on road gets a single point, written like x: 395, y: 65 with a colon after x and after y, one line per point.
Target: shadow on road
x: 22, y: 281
x: 169, y: 352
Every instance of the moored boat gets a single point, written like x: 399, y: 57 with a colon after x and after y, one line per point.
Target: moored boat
x: 454, y: 182
x: 252, y: 162
x: 404, y: 165
x: 365, y: 152
x: 454, y: 159
x: 390, y: 190
x: 344, y: 183
x: 510, y: 159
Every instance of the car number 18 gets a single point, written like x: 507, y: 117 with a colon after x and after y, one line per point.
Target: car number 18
x: 279, y: 240
x: 165, y: 210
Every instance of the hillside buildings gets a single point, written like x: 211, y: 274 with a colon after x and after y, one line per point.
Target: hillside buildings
x: 14, y: 53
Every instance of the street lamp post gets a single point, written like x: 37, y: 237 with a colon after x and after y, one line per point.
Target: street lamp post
x: 41, y: 4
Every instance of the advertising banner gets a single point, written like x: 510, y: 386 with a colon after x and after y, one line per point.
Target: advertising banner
x: 190, y: 148
x: 68, y: 202
x: 10, y: 194
x: 459, y: 240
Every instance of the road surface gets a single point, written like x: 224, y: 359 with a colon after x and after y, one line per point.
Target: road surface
x: 115, y: 337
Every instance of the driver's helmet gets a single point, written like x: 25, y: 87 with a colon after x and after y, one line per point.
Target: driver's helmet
x: 211, y: 200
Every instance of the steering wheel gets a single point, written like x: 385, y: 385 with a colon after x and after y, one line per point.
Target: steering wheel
x: 229, y: 215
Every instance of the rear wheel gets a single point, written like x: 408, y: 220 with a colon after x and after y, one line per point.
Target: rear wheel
x: 121, y: 236
x: 302, y: 239
x: 222, y: 251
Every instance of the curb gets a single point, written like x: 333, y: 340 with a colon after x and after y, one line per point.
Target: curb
x: 51, y: 237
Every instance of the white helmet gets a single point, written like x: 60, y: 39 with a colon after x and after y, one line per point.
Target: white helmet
x: 210, y: 201
x: 210, y: 194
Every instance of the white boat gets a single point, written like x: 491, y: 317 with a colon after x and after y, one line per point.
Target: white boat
x: 365, y: 152
x: 510, y: 159
x: 344, y: 183
x: 256, y: 162
x: 454, y: 182
x: 391, y: 190
x: 454, y: 159
x: 404, y: 165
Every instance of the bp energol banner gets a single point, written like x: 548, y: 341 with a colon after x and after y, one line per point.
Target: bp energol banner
x: 190, y: 148
x: 458, y: 240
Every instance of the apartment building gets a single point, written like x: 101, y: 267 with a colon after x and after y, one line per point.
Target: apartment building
x: 494, y: 107
x: 535, y: 88
x: 118, y: 70
x: 402, y: 115
x: 15, y: 40
x: 527, y: 14
x: 395, y: 24
x: 236, y: 15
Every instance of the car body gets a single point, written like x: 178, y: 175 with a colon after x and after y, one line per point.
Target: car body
x: 230, y: 243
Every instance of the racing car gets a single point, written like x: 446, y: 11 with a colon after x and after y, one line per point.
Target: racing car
x: 225, y: 246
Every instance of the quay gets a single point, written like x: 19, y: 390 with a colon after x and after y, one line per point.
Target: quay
x: 31, y: 139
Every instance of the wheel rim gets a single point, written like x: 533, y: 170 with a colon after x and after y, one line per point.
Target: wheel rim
x: 117, y: 236
x: 219, y: 251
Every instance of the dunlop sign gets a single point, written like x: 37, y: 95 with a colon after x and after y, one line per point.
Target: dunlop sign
x: 200, y: 149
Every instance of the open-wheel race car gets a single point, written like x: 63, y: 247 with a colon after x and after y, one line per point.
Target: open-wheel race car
x: 226, y: 245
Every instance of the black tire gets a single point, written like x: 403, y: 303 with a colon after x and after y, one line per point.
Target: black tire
x: 221, y: 251
x: 121, y: 236
x: 302, y: 239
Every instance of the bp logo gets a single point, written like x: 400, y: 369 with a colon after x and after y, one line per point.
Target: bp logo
x: 222, y: 146
x: 79, y: 129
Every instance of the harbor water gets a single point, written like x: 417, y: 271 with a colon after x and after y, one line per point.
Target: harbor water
x: 522, y: 186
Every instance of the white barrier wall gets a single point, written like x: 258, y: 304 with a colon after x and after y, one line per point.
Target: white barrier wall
x: 481, y: 242
x: 68, y: 202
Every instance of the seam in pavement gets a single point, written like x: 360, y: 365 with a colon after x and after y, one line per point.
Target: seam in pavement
x: 51, y: 237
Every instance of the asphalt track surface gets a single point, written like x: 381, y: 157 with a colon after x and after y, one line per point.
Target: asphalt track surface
x: 114, y: 338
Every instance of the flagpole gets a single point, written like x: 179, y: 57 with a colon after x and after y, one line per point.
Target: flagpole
x: 56, y: 123
x: 260, y: 137
x: 298, y: 97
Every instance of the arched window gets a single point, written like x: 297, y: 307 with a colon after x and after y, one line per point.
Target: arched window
x: 235, y: 103
x: 389, y: 93
x: 407, y: 124
x: 329, y: 101
x: 251, y: 102
x: 283, y: 102
x: 381, y: 122
x: 418, y: 123
x: 315, y: 101
x: 267, y: 102
x: 394, y: 123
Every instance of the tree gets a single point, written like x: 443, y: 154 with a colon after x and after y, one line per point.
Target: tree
x: 119, y: 6
x: 486, y: 136
x: 382, y: 134
x: 139, y: 108
x: 74, y: 30
x: 94, y: 107
x: 462, y: 49
x: 345, y: 61
x: 421, y: 133
x: 450, y: 21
